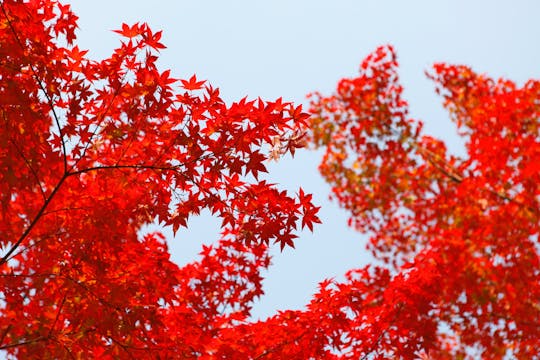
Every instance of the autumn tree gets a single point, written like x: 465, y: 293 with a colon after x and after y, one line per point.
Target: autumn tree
x: 459, y: 234
x: 91, y: 151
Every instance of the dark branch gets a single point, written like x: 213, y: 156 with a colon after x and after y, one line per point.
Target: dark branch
x: 22, y: 343
x: 38, y: 216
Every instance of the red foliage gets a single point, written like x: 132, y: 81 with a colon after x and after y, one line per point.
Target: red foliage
x: 91, y: 151
x: 459, y: 235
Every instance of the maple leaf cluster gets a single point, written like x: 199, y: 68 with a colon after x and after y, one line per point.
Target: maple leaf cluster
x: 91, y: 151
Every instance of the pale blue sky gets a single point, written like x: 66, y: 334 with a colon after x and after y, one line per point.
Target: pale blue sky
x: 289, y: 48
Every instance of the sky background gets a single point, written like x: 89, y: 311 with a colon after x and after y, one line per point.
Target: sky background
x: 286, y: 48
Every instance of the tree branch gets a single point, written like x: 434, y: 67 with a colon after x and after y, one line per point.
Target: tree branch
x: 133, y: 166
x: 38, y: 216
x: 22, y: 343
